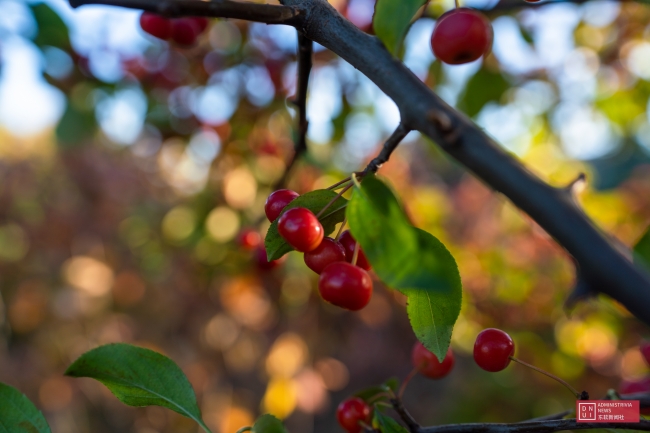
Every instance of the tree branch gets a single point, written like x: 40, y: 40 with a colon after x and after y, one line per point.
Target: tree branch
x: 389, y: 146
x: 411, y: 423
x: 533, y: 427
x: 270, y: 14
x: 305, y: 54
x: 603, y: 267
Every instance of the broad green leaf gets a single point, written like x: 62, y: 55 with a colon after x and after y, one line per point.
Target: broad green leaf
x: 642, y: 250
x: 139, y: 377
x: 410, y: 260
x: 18, y: 414
x: 387, y: 424
x: 52, y: 30
x: 485, y: 86
x: 315, y: 200
x: 392, y: 19
x: 268, y: 424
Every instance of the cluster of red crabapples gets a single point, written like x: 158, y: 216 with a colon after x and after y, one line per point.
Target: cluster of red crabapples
x: 183, y: 31
x: 342, y: 266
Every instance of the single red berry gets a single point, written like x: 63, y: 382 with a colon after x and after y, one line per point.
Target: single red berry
x: 329, y: 251
x: 349, y: 243
x: 642, y: 385
x: 277, y: 201
x: 645, y: 351
x: 201, y: 23
x: 461, y: 36
x: 351, y: 412
x: 493, y: 349
x: 156, y: 25
x: 301, y: 229
x: 249, y: 239
x: 345, y: 286
x: 185, y: 31
x: 427, y: 363
x: 262, y: 262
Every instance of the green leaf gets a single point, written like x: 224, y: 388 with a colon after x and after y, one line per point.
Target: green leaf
x: 315, y: 200
x: 410, y: 260
x: 387, y: 424
x: 485, y: 86
x: 642, y: 250
x: 392, y: 19
x: 268, y: 424
x: 18, y: 414
x: 52, y: 31
x: 139, y: 377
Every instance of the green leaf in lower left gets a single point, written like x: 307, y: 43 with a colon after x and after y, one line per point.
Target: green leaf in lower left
x: 18, y: 414
x: 139, y: 377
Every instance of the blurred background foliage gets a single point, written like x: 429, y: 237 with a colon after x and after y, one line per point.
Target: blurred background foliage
x: 129, y: 168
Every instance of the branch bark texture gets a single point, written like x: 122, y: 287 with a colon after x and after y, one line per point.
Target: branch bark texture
x: 602, y: 268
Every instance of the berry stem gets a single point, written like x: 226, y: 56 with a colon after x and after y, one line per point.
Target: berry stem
x: 406, y: 381
x: 457, y: 4
x: 338, y: 234
x: 355, y: 255
x: 333, y: 200
x: 575, y: 393
x: 346, y: 180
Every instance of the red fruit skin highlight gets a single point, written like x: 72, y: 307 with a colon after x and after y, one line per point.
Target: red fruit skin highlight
x: 277, y: 201
x: 350, y: 412
x: 493, y: 349
x: 329, y: 251
x: 345, y: 286
x: 301, y: 229
x: 461, y: 36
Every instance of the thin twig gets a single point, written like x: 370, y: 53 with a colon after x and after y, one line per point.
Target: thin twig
x: 389, y: 146
x: 338, y: 234
x: 331, y: 202
x: 407, y: 380
x: 575, y: 392
x: 305, y: 54
x: 410, y: 422
x: 533, y: 427
x: 270, y: 14
x: 337, y: 184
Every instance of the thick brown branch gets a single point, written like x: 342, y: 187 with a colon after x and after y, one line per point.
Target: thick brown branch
x: 604, y: 268
x: 270, y: 14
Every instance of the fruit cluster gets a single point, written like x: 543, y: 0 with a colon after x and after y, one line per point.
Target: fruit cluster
x: 183, y: 31
x: 344, y: 280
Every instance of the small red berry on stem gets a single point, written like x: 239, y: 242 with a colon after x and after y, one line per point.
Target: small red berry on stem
x: 349, y: 243
x: 156, y: 25
x: 351, y: 413
x: 329, y: 251
x: 493, y: 349
x: 427, y: 363
x: 277, y: 201
x: 301, y: 229
x: 461, y: 35
x: 185, y: 31
x: 345, y: 285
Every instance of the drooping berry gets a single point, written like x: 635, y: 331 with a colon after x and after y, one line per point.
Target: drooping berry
x: 345, y: 286
x: 351, y: 413
x: 262, y: 262
x: 249, y: 239
x: 461, y: 35
x: 185, y: 31
x: 329, y: 251
x: 427, y: 363
x: 349, y: 243
x: 301, y: 229
x: 645, y: 351
x: 277, y: 201
x: 156, y: 25
x: 493, y: 349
